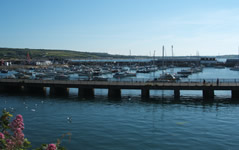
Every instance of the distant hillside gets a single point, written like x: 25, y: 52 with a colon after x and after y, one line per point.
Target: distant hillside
x: 17, y: 53
x: 20, y: 53
x: 228, y: 56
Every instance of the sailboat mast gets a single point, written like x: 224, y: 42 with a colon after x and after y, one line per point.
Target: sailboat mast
x: 154, y: 58
x: 154, y: 64
x: 130, y: 57
x: 172, y: 54
x: 163, y: 57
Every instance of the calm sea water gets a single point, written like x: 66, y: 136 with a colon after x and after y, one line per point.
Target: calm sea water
x: 130, y: 123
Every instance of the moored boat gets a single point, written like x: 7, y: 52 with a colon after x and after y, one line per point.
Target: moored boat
x: 165, y: 77
x: 188, y: 71
x: 235, y: 68
x: 4, y: 71
x: 61, y: 77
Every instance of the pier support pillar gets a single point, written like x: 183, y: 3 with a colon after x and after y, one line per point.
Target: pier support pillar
x: 35, y: 90
x: 86, y: 92
x: 59, y: 91
x: 176, y: 94
x: 145, y: 93
x: 208, y: 94
x: 114, y: 93
x: 235, y: 94
x: 11, y: 89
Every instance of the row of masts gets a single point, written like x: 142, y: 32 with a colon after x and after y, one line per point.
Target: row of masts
x: 163, y: 52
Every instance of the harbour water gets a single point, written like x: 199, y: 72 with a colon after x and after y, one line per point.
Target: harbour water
x: 130, y: 123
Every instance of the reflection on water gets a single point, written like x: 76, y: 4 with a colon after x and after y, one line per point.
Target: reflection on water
x: 129, y: 123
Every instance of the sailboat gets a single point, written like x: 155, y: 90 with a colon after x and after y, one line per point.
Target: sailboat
x: 165, y: 77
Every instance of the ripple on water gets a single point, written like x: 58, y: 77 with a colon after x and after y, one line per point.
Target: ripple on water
x: 101, y: 123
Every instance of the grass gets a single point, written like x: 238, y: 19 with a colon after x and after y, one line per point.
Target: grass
x: 17, y: 53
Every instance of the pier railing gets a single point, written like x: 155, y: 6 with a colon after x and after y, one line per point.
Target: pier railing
x: 219, y: 80
x: 133, y: 81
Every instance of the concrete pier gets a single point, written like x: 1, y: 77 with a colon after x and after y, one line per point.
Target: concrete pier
x: 176, y: 94
x: 145, y: 93
x: 235, y: 94
x: 114, y: 93
x: 86, y: 88
x: 208, y: 94
x: 86, y: 92
x: 59, y: 91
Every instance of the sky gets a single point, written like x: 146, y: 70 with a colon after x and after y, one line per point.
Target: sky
x: 204, y: 27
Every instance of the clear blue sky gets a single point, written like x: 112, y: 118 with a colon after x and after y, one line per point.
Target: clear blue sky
x: 210, y: 27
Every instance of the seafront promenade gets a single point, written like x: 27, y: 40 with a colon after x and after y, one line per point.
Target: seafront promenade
x: 86, y: 88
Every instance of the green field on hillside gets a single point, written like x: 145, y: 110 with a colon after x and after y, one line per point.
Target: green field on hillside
x: 15, y: 53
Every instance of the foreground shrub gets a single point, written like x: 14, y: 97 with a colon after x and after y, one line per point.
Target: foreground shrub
x: 12, y: 136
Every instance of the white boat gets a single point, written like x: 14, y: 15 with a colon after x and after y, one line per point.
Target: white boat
x: 165, y: 77
x: 130, y: 74
x: 124, y: 74
x: 196, y: 69
x: 12, y: 76
x: 178, y: 76
x: 119, y: 75
x: 185, y: 71
x: 25, y: 77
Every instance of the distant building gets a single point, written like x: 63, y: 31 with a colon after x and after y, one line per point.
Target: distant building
x: 43, y: 63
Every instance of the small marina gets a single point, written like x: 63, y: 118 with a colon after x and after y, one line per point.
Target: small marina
x: 127, y: 76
